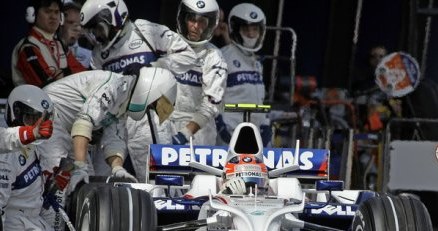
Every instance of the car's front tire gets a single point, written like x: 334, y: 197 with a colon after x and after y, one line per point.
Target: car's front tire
x: 387, y: 212
x: 109, y: 208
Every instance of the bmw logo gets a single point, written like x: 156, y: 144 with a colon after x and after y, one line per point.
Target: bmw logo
x: 22, y: 160
x: 200, y: 4
x: 45, y: 104
x: 236, y: 63
x: 247, y: 159
x: 253, y: 15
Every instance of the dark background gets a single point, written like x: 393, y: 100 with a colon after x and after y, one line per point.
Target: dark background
x: 324, y: 29
x: 325, y: 41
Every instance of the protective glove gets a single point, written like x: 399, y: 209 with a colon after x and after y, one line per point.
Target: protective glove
x: 179, y: 139
x: 266, y: 134
x: 120, y: 172
x: 235, y: 185
x: 40, y: 130
x: 182, y: 137
x: 77, y: 175
x: 222, y: 130
x: 61, y: 179
x: 54, y: 181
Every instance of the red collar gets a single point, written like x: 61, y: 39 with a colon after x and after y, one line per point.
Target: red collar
x: 40, y: 37
x: 51, y: 44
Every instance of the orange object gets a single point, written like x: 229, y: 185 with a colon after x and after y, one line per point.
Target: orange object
x: 374, y: 122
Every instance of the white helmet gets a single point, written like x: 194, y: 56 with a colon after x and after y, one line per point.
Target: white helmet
x: 105, y: 19
x: 246, y: 14
x: 206, y: 10
x: 152, y: 83
x: 27, y: 100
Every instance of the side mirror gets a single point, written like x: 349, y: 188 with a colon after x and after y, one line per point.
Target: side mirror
x: 329, y: 185
x: 169, y: 180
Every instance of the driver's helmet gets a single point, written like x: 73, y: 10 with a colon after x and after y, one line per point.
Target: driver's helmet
x: 246, y: 14
x: 104, y: 19
x: 250, y: 168
x: 204, y: 12
x: 26, y: 104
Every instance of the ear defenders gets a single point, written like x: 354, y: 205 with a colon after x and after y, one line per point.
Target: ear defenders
x: 61, y: 21
x: 31, y: 15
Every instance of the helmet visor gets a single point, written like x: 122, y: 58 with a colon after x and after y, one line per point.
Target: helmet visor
x: 99, y: 26
x: 31, y: 119
x: 196, y: 27
x: 98, y: 34
x: 247, y: 35
x: 103, y: 16
x: 27, y: 116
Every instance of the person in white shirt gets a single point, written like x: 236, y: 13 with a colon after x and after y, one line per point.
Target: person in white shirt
x: 71, y: 30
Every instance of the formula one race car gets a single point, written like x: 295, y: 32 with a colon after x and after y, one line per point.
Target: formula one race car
x: 287, y: 204
x: 271, y: 193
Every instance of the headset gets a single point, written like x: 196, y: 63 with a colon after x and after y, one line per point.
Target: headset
x: 31, y: 13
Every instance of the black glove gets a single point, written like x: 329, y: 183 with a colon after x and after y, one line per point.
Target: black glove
x: 222, y: 130
x: 179, y: 139
x: 266, y: 134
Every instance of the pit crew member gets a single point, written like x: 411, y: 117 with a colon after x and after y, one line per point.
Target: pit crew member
x: 200, y: 90
x: 122, y: 42
x: 245, y: 75
x: 20, y: 172
x: 90, y: 100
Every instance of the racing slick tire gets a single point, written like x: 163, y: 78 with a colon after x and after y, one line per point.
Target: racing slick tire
x: 109, y: 208
x: 77, y: 199
x: 74, y: 202
x: 388, y: 212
